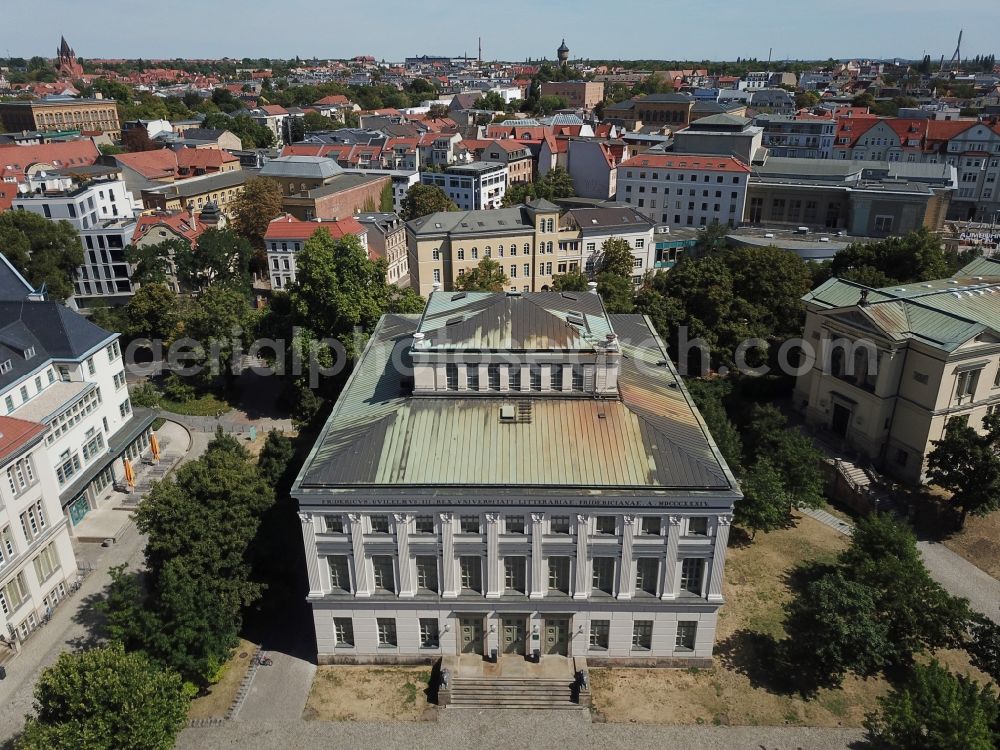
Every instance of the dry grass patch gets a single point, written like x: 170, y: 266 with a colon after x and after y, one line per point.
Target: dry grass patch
x: 348, y: 693
x: 220, y: 696
x: 979, y: 542
x: 756, y: 590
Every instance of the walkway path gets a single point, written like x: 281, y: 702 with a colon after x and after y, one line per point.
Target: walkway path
x: 957, y: 575
x: 460, y: 729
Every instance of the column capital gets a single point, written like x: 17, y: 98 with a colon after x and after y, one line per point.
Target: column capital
x: 724, y: 520
x: 537, y: 517
x: 582, y: 517
x: 446, y: 517
x: 354, y: 517
x: 674, y: 520
x: 401, y: 517
x: 492, y: 518
x: 305, y: 517
x: 628, y: 519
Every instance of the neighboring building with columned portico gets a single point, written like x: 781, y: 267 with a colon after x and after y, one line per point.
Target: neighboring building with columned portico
x: 515, y: 473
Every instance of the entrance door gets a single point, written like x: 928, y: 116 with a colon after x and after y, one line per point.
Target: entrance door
x: 471, y: 641
x: 841, y: 419
x: 557, y: 637
x: 514, y: 633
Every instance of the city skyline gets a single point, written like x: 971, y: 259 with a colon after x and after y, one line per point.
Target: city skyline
x: 250, y: 32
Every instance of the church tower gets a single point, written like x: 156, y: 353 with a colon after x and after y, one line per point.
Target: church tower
x: 563, y: 53
x: 66, y: 63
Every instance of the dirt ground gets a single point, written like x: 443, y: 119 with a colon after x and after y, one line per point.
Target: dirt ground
x: 755, y: 591
x: 368, y: 694
x: 979, y: 543
x: 221, y: 695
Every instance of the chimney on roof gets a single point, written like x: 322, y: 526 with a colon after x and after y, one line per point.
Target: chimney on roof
x: 863, y: 302
x: 192, y: 217
x: 592, y: 287
x: 436, y: 287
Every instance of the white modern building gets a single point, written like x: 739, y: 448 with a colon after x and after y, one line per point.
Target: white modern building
x: 472, y: 187
x: 519, y: 474
x: 60, y: 371
x: 598, y: 225
x: 37, y: 565
x: 97, y: 203
x: 286, y: 236
x: 685, y: 189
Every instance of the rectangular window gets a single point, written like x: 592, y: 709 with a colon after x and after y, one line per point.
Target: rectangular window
x: 514, y: 524
x: 425, y: 524
x: 535, y: 372
x: 472, y: 377
x: 340, y: 577
x: 600, y: 634
x: 559, y: 525
x: 380, y: 524
x: 514, y: 378
x: 647, y: 575
x: 451, y: 377
x: 692, y: 573
x: 13, y: 594
x: 642, y: 635
x: 427, y: 574
x: 385, y: 580
x: 493, y: 377
x: 429, y: 633
x: 966, y: 385
x: 559, y: 574
x: 90, y: 366
x: 386, y: 631
x: 46, y: 563
x: 697, y: 526
x: 686, y: 632
x: 125, y: 408
x: 7, y: 548
x: 605, y: 524
x: 604, y: 574
x: 577, y: 379
x: 333, y: 524
x: 472, y: 574
x: 514, y: 574
x: 471, y: 525
x: 343, y: 632
x: 651, y: 525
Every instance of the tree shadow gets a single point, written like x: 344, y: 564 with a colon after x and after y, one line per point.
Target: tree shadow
x: 90, y: 614
x: 758, y: 657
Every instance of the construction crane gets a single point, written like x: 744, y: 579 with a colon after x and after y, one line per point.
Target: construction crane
x: 956, y: 58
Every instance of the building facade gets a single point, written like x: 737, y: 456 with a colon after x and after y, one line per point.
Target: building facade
x: 578, y: 94
x: 286, y: 235
x: 685, y: 189
x: 37, y: 564
x: 895, y: 365
x: 60, y: 113
x: 560, y: 514
x: 472, y: 187
x: 387, y: 239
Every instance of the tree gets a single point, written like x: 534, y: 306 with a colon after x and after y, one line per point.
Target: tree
x: 108, y: 149
x: 548, y: 104
x: 222, y: 257
x: 45, y: 252
x: 255, y: 208
x: 556, y: 184
x: 200, y: 524
x: 616, y: 257
x: 438, y: 112
x: 983, y: 645
x: 153, y: 313
x: 967, y: 464
x: 574, y: 281
x: 275, y: 457
x: 488, y: 276
x: 105, y: 699
x: 154, y: 262
x: 387, y: 200
x: 137, y: 139
x: 422, y: 200
x: 296, y: 129
x: 790, y: 453
x: 765, y: 502
x: 491, y: 100
x: 219, y: 319
x: 937, y: 709
x: 617, y: 293
x: 314, y: 121
x: 917, y: 256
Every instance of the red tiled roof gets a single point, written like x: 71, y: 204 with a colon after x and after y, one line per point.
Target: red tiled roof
x: 273, y: 109
x: 152, y: 165
x: 333, y: 99
x: 15, y: 160
x: 203, y: 158
x: 15, y: 433
x: 696, y: 162
x: 287, y: 227
x: 8, y: 191
x: 178, y: 221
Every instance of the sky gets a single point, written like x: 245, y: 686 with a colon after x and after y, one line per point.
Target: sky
x: 596, y: 29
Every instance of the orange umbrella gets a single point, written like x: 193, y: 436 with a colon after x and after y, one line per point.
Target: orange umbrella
x: 129, y: 473
x: 154, y: 446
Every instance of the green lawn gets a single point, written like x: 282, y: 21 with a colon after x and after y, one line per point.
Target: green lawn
x: 206, y: 405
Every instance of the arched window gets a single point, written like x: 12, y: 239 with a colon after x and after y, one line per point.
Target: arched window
x: 461, y: 254
x: 489, y: 252
x: 527, y: 248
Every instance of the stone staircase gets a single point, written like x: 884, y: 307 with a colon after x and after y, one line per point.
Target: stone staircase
x: 513, y: 693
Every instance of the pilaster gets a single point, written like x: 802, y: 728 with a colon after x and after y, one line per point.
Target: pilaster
x: 719, y: 558
x: 494, y: 583
x: 312, y: 555
x: 581, y: 589
x: 626, y: 574
x: 363, y: 582
x: 539, y: 576
x: 407, y: 577
x: 670, y: 562
x: 449, y: 574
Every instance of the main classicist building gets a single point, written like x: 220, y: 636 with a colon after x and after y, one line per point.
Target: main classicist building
x: 515, y: 473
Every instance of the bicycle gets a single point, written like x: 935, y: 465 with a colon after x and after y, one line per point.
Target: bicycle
x: 262, y: 660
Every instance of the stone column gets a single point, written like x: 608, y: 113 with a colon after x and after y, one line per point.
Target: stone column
x: 581, y: 589
x: 407, y: 579
x: 363, y: 582
x: 670, y: 562
x: 539, y: 575
x: 494, y: 585
x: 312, y: 555
x: 626, y: 578
x: 449, y: 578
x: 719, y: 558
